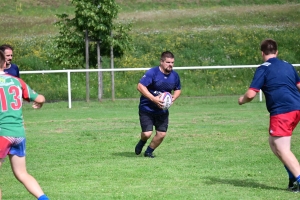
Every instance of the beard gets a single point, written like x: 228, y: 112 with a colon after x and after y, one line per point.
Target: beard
x: 169, y: 69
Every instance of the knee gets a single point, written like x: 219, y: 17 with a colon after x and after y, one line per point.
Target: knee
x: 21, y: 175
x: 282, y: 153
x: 161, y: 134
x: 146, y: 135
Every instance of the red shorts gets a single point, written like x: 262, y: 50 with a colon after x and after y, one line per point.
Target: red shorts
x: 284, y: 124
x: 12, y: 146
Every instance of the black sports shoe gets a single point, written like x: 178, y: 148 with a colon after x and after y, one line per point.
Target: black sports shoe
x: 291, y: 182
x: 139, y: 148
x: 149, y: 155
x: 295, y: 188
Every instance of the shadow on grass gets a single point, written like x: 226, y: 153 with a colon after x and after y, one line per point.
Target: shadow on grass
x: 239, y: 183
x: 125, y: 154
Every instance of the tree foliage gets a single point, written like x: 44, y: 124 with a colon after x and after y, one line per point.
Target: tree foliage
x: 98, y: 18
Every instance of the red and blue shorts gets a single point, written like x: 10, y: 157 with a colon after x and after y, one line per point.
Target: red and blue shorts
x: 283, y: 124
x: 12, y: 146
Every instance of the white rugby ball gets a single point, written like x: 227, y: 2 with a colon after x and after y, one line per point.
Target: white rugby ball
x: 166, y: 97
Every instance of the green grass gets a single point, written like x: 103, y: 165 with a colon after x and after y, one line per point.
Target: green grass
x: 199, y: 18
x: 26, y: 18
x: 198, y: 32
x: 137, y: 5
x: 214, y: 149
x: 36, y: 18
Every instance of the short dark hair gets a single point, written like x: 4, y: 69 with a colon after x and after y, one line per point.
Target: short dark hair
x: 2, y: 59
x: 6, y: 46
x: 166, y: 54
x: 268, y: 46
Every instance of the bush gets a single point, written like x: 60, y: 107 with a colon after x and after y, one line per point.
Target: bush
x: 205, y: 48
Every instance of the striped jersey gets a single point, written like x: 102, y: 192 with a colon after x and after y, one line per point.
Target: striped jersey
x: 12, y: 91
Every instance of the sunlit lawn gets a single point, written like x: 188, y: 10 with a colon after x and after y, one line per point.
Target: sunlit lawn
x: 215, y: 149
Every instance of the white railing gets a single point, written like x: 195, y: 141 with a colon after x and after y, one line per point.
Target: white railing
x: 69, y: 71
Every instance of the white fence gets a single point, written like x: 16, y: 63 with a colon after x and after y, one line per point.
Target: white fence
x: 69, y: 71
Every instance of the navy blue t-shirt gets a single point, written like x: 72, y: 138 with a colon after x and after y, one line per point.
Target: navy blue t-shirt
x: 13, y: 70
x: 277, y: 79
x: 156, y: 81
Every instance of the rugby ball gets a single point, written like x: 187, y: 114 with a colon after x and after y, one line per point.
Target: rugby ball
x: 166, y: 97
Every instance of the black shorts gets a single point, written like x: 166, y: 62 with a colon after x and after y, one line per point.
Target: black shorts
x: 148, y: 120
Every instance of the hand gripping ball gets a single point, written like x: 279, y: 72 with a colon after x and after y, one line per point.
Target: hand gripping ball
x: 166, y: 97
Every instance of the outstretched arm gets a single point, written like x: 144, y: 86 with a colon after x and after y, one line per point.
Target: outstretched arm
x: 247, y: 97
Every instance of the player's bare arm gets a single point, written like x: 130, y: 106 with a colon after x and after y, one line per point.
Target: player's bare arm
x: 298, y: 86
x: 176, y: 95
x: 145, y: 92
x: 247, y: 97
x: 38, y: 102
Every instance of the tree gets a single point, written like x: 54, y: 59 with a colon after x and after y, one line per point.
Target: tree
x: 97, y: 17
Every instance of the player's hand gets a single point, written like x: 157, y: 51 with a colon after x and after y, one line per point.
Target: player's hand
x: 173, y: 99
x: 36, y: 105
x: 157, y: 101
x: 241, y: 100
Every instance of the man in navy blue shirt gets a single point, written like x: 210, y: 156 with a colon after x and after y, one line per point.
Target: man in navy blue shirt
x: 155, y: 81
x: 280, y: 84
x: 11, y: 68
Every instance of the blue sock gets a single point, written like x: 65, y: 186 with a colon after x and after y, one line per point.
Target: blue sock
x: 298, y: 179
x: 149, y: 149
x: 291, y: 176
x: 43, y: 197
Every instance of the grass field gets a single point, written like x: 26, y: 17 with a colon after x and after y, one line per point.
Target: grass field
x: 198, y: 32
x: 214, y: 149
x: 31, y: 19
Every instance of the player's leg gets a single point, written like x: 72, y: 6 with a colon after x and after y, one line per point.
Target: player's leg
x: 4, y: 149
x: 144, y: 137
x: 280, y: 130
x: 292, y: 178
x: 281, y: 148
x: 18, y: 165
x: 161, y: 126
x: 155, y: 142
x: 146, y: 122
